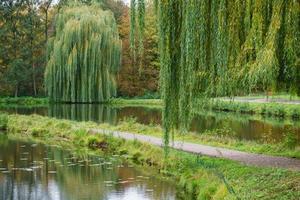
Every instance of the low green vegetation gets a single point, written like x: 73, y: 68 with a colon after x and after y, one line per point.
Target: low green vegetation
x: 277, y: 96
x: 121, y: 102
x: 217, y: 137
x: 268, y: 109
x: 23, y: 101
x: 3, y: 121
x: 198, y: 177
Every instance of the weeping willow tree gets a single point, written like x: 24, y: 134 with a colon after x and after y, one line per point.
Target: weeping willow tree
x: 137, y: 17
x: 84, y: 55
x: 223, y: 47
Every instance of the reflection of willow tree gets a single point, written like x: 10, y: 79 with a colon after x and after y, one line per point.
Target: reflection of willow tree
x: 84, y: 55
x: 223, y: 47
x: 84, y: 112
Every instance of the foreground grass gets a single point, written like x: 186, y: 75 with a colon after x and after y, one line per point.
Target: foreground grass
x: 198, y: 177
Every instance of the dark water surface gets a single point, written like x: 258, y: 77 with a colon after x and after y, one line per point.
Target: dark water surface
x: 244, y: 126
x: 31, y: 171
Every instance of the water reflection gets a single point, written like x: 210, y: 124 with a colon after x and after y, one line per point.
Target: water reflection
x: 38, y: 172
x: 84, y: 112
x: 244, y: 126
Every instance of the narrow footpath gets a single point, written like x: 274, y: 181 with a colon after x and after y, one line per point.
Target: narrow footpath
x: 253, y: 159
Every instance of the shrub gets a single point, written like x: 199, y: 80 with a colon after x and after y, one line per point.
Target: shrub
x: 3, y: 121
x: 290, y: 140
x: 94, y: 142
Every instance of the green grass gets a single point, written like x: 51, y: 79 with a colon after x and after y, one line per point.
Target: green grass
x: 266, y: 109
x: 283, y: 96
x: 245, y: 118
x: 198, y: 177
x: 288, y: 147
x: 120, y: 102
x: 23, y: 101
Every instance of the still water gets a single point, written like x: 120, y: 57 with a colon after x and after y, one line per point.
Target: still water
x: 243, y: 126
x: 39, y: 172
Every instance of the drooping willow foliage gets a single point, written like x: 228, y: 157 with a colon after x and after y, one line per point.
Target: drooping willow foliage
x: 137, y: 14
x: 84, y: 55
x: 224, y: 47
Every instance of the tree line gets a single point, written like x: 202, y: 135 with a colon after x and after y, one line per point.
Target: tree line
x: 24, y: 26
x: 27, y: 25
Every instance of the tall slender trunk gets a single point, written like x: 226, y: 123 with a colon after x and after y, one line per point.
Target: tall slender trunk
x: 34, y: 80
x: 16, y: 90
x: 31, y: 49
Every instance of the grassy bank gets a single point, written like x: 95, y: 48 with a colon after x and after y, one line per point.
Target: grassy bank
x: 266, y: 109
x: 120, y: 102
x: 23, y: 101
x: 288, y: 147
x: 198, y: 177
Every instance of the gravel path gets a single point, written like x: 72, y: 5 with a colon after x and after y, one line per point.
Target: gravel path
x: 243, y: 157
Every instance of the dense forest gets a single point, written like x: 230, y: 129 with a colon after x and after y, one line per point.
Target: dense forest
x: 26, y: 27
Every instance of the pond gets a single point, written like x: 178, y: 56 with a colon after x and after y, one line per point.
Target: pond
x: 243, y: 126
x: 38, y: 172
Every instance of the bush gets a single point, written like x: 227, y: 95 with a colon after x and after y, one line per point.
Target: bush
x: 94, y: 142
x: 290, y: 141
x: 39, y: 132
x: 79, y: 137
x: 3, y: 121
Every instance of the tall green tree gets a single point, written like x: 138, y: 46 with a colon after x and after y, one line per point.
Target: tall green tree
x: 223, y: 47
x: 84, y: 55
x: 21, y: 46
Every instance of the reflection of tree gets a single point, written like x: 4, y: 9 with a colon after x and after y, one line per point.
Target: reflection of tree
x: 245, y: 126
x: 69, y: 182
x: 84, y: 112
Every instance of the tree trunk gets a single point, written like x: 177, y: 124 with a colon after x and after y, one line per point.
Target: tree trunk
x: 17, y: 90
x: 34, y: 80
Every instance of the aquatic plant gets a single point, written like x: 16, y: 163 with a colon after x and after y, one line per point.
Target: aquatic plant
x: 84, y: 55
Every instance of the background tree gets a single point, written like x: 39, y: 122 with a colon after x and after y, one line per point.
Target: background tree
x: 137, y: 80
x: 22, y: 47
x: 84, y: 55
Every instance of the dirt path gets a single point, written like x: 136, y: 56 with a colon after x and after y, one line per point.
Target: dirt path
x: 243, y: 157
